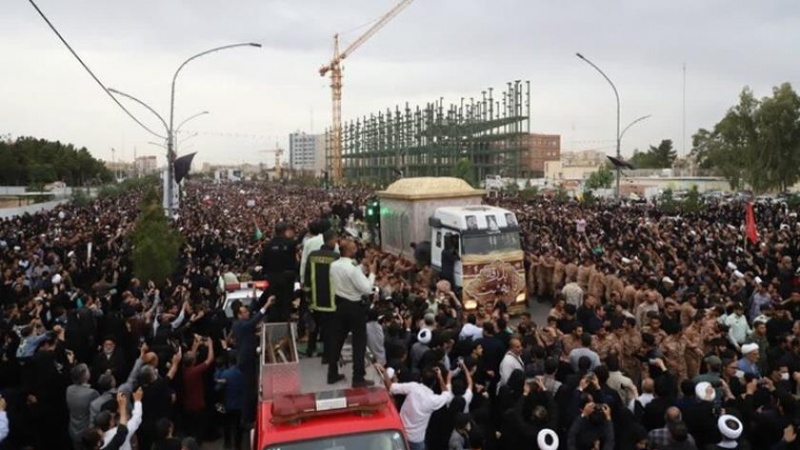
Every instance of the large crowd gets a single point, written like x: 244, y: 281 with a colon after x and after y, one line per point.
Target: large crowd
x: 664, y: 331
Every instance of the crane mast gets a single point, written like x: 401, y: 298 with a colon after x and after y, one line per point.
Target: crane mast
x: 334, y: 67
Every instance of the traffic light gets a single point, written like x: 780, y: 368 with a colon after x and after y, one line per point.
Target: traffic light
x: 373, y: 211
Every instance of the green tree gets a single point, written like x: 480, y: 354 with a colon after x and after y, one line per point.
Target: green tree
x: 756, y: 143
x: 156, y: 244
x: 463, y: 169
x: 560, y: 195
x: 667, y: 201
x: 27, y: 161
x: 693, y: 202
x: 603, y: 178
x: 511, y: 187
x: 529, y: 192
x: 660, y: 157
x: 778, y: 151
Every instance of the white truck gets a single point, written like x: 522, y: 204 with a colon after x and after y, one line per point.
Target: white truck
x: 447, y: 215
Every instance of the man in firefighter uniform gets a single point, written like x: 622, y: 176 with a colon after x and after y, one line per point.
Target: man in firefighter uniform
x: 320, y: 290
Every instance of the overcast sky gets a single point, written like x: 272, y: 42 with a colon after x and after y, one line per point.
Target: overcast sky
x: 449, y: 48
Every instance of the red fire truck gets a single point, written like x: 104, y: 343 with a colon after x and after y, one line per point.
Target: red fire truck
x: 298, y: 410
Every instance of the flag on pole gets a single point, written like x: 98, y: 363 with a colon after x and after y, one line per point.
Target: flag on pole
x: 182, y: 166
x: 750, y: 224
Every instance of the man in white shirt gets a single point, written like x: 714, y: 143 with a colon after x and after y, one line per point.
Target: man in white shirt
x: 619, y: 382
x: 133, y: 424
x: 470, y: 330
x: 420, y: 403
x: 584, y: 350
x: 573, y: 293
x: 313, y: 241
x: 350, y: 284
x: 738, y: 328
x: 511, y: 362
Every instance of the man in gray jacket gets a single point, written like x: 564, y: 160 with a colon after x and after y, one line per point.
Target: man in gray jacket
x: 79, y: 396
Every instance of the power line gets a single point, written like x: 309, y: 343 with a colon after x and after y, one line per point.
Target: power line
x: 64, y: 41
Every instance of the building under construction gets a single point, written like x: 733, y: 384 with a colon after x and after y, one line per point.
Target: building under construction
x: 490, y: 132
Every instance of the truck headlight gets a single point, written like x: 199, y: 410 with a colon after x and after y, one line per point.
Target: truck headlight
x: 521, y: 297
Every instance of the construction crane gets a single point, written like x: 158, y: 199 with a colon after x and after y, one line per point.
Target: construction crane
x: 335, y: 69
x: 278, y: 153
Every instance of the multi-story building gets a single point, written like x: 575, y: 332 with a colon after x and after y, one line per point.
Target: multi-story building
x: 584, y: 158
x: 307, y: 153
x: 540, y: 149
x: 145, y: 165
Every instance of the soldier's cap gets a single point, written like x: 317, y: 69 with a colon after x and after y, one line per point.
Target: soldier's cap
x: 714, y: 360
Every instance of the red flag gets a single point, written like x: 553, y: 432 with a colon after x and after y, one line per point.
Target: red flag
x: 750, y: 224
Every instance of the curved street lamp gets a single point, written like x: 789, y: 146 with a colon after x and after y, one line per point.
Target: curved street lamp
x: 171, y: 135
x: 616, y: 94
x: 201, y: 113
x: 632, y: 124
x: 170, y: 138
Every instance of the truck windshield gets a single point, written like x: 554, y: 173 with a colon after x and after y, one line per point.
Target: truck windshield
x: 484, y: 244
x: 381, y: 440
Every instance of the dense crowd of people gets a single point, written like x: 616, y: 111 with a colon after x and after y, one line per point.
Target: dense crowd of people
x: 665, y: 331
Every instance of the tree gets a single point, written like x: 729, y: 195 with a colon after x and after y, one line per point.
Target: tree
x: 603, y: 178
x: 560, y: 195
x: 660, y: 157
x: 667, y: 201
x: 511, y: 187
x: 756, y: 143
x: 529, y: 192
x: 778, y: 133
x: 156, y: 244
x: 29, y: 161
x: 463, y: 169
x: 693, y: 202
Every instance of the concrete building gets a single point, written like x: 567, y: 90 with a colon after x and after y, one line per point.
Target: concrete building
x: 584, y: 158
x: 145, y: 165
x: 540, y: 149
x: 307, y: 153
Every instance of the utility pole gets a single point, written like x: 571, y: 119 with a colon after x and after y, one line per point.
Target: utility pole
x: 683, y: 133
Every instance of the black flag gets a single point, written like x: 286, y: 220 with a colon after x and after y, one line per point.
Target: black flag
x: 182, y: 166
x: 620, y: 163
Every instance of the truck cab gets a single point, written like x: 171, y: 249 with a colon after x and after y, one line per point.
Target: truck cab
x: 298, y: 410
x: 478, y: 247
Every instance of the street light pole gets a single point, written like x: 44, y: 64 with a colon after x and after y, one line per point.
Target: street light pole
x: 616, y: 94
x: 170, y: 135
x: 632, y: 124
x: 201, y: 113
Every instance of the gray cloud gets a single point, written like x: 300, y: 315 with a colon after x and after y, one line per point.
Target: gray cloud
x: 450, y: 48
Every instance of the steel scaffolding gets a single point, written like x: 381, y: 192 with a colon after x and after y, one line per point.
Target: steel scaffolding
x: 429, y: 141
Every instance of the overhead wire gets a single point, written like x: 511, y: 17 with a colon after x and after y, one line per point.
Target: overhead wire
x: 96, y: 79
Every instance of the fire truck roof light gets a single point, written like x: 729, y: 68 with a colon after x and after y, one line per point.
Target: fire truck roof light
x: 259, y: 285
x: 294, y: 407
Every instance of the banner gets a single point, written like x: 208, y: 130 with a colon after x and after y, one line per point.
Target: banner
x: 486, y: 277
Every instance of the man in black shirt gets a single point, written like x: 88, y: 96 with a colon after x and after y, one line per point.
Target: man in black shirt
x: 318, y: 284
x: 279, y: 262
